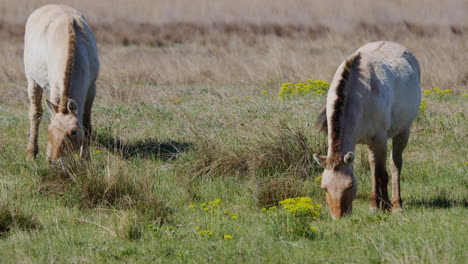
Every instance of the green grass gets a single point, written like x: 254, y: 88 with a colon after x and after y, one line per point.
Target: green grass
x: 131, y: 204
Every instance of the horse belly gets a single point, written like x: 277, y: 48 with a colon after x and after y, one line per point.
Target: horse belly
x: 36, y: 67
x: 405, y: 107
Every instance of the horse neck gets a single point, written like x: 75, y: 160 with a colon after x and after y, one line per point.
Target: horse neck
x: 349, y: 122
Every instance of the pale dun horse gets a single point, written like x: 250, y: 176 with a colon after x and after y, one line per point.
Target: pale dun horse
x: 375, y: 95
x: 60, y: 55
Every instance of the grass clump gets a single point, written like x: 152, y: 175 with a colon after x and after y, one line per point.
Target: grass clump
x: 129, y: 226
x: 14, y: 218
x: 104, y: 183
x: 270, y: 191
x: 286, y: 150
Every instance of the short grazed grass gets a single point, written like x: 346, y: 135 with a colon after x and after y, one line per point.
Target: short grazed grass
x: 131, y: 204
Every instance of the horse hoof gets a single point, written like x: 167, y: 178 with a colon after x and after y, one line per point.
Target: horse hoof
x: 397, y: 210
x: 373, y: 210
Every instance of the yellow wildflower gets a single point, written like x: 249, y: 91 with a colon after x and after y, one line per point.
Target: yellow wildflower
x: 264, y: 92
x: 215, y: 202
x: 205, y: 232
x: 233, y: 216
x: 423, y: 105
x: 227, y: 236
x: 302, y: 207
x: 317, y: 87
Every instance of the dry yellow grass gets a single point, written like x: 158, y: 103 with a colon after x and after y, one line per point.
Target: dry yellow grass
x: 335, y: 12
x: 257, y: 44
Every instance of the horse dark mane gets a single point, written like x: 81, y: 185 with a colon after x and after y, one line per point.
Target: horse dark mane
x: 335, y: 121
x: 69, y: 65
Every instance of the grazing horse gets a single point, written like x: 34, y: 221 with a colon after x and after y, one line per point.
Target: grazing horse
x: 60, y: 55
x: 375, y: 95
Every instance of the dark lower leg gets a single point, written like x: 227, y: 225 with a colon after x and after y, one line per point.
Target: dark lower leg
x: 87, y: 135
x: 396, y: 164
x: 382, y: 182
x: 35, y: 114
x: 373, y: 195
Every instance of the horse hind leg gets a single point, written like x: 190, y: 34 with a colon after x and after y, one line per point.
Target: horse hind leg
x: 87, y: 120
x: 396, y: 162
x: 35, y: 114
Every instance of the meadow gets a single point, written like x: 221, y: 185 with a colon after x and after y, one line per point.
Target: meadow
x: 194, y: 149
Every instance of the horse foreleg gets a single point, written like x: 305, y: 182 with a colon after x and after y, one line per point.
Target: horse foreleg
x: 35, y: 114
x: 379, y: 192
x: 396, y: 162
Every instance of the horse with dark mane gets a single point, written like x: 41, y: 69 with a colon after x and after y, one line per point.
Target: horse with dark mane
x: 375, y: 95
x: 60, y: 56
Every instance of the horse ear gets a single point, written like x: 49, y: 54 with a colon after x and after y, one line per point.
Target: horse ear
x: 321, y: 160
x: 348, y: 158
x: 72, y: 106
x: 53, y: 108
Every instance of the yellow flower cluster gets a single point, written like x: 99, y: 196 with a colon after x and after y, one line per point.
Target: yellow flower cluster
x: 302, y: 207
x: 233, y: 216
x: 423, y: 105
x: 207, y: 207
x: 227, y: 236
x: 269, y: 210
x: 315, y: 87
x: 205, y: 233
x: 438, y: 91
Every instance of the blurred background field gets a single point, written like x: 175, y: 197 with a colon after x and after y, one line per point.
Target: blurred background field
x: 187, y: 113
x: 246, y: 42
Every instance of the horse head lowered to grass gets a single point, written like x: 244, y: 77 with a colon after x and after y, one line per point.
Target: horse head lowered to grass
x: 60, y: 55
x: 375, y: 95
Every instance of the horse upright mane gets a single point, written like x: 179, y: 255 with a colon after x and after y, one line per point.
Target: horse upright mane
x: 335, y: 121
x: 69, y: 64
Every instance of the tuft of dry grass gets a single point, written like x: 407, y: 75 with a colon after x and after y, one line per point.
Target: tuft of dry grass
x: 12, y: 217
x: 285, y: 151
x: 269, y: 191
x: 129, y: 225
x: 108, y: 183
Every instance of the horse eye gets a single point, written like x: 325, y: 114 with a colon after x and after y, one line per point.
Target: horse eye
x: 74, y: 132
x: 350, y: 187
